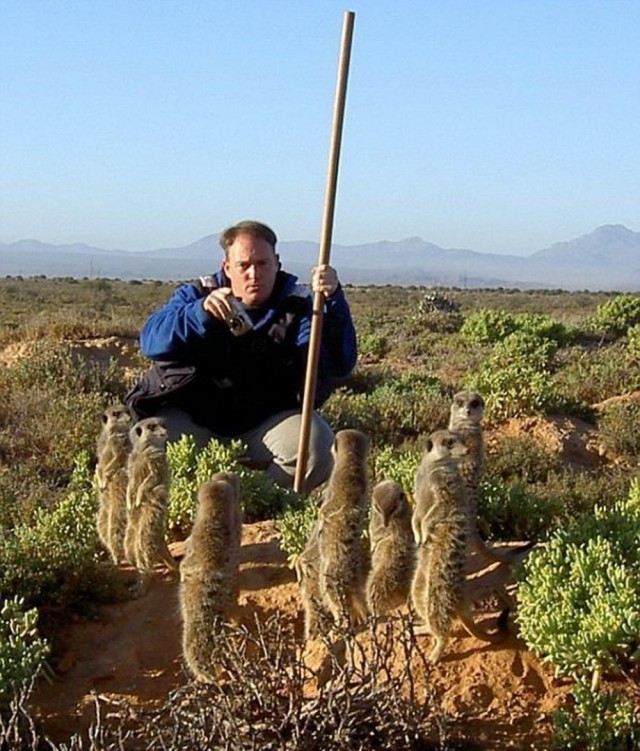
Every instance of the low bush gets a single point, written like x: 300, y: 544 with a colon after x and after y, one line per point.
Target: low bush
x: 295, y: 527
x: 402, y: 406
x: 580, y: 491
x: 22, y: 651
x: 372, y: 345
x: 52, y: 559
x: 521, y: 458
x: 633, y: 342
x: 493, y: 326
x: 487, y: 326
x: 515, y: 512
x: 597, y: 721
x: 398, y: 464
x: 617, y: 315
x: 515, y: 379
x: 260, y: 497
x: 619, y: 428
x: 580, y: 595
x: 593, y: 375
x: 50, y: 403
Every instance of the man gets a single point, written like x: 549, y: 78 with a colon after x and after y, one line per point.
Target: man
x: 230, y: 355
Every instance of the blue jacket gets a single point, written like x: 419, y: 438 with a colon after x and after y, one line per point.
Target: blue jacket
x: 229, y: 383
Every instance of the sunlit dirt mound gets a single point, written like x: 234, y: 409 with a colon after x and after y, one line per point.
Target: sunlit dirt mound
x: 496, y: 696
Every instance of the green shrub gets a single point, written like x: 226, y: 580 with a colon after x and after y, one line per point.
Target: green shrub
x: 372, y: 345
x: 598, y: 721
x: 580, y: 595
x: 616, y: 316
x: 399, y: 464
x: 295, y: 526
x: 52, y: 559
x: 520, y: 458
x: 50, y: 403
x: 260, y: 497
x: 514, y: 512
x: 402, y: 406
x: 593, y: 375
x: 580, y: 491
x: 619, y: 428
x: 633, y: 342
x: 493, y: 326
x: 487, y: 326
x: 515, y: 379
x: 543, y: 327
x: 22, y: 651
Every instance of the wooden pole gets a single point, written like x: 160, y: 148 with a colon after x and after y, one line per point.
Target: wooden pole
x: 325, y: 250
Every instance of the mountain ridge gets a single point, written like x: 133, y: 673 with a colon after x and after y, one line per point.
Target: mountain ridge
x: 608, y: 258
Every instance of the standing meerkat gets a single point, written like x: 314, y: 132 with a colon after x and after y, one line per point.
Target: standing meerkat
x: 209, y: 571
x: 317, y: 616
x: 392, y: 548
x: 147, y: 496
x: 113, y: 448
x: 340, y: 522
x: 467, y: 411
x: 441, y: 528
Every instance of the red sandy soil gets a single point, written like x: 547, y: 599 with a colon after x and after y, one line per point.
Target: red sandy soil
x: 498, y: 696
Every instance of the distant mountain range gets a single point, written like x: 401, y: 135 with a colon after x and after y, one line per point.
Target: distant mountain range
x: 606, y: 259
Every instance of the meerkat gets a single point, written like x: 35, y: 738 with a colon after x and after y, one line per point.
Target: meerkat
x: 340, y: 523
x: 467, y: 411
x: 147, y: 496
x: 317, y: 616
x: 440, y: 525
x: 209, y: 571
x: 392, y: 548
x: 113, y: 448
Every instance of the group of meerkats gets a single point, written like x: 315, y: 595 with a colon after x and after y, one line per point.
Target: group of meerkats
x: 132, y: 477
x: 417, y: 557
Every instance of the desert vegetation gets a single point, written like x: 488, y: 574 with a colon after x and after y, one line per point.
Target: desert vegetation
x: 68, y: 348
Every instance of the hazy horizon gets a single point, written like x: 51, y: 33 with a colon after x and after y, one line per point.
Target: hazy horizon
x: 499, y: 127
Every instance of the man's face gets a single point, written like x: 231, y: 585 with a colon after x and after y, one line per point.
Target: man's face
x: 251, y: 265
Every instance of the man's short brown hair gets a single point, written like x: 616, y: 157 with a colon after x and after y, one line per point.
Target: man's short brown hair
x: 251, y: 228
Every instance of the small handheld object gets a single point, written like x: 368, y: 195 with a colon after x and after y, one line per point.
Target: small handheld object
x: 238, y: 321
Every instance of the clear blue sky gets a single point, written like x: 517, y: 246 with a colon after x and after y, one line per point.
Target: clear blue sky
x: 497, y: 125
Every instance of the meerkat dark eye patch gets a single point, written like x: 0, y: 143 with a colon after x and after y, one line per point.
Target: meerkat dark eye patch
x: 475, y: 403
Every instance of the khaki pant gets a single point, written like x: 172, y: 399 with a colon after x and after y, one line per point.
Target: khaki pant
x: 272, y: 446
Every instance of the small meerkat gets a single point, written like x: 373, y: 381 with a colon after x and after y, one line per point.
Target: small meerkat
x: 317, y: 616
x: 392, y: 548
x: 147, y: 496
x: 467, y: 411
x: 441, y: 528
x: 209, y: 571
x: 340, y: 523
x: 112, y: 453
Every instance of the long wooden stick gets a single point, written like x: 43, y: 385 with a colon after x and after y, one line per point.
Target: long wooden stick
x: 325, y: 250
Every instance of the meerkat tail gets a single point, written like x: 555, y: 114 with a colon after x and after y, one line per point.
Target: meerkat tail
x: 436, y: 652
x: 513, y: 555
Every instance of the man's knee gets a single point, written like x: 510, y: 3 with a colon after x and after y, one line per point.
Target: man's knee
x: 180, y: 423
x: 282, y: 441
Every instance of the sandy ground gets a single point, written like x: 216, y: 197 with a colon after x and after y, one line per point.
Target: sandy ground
x: 496, y: 696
